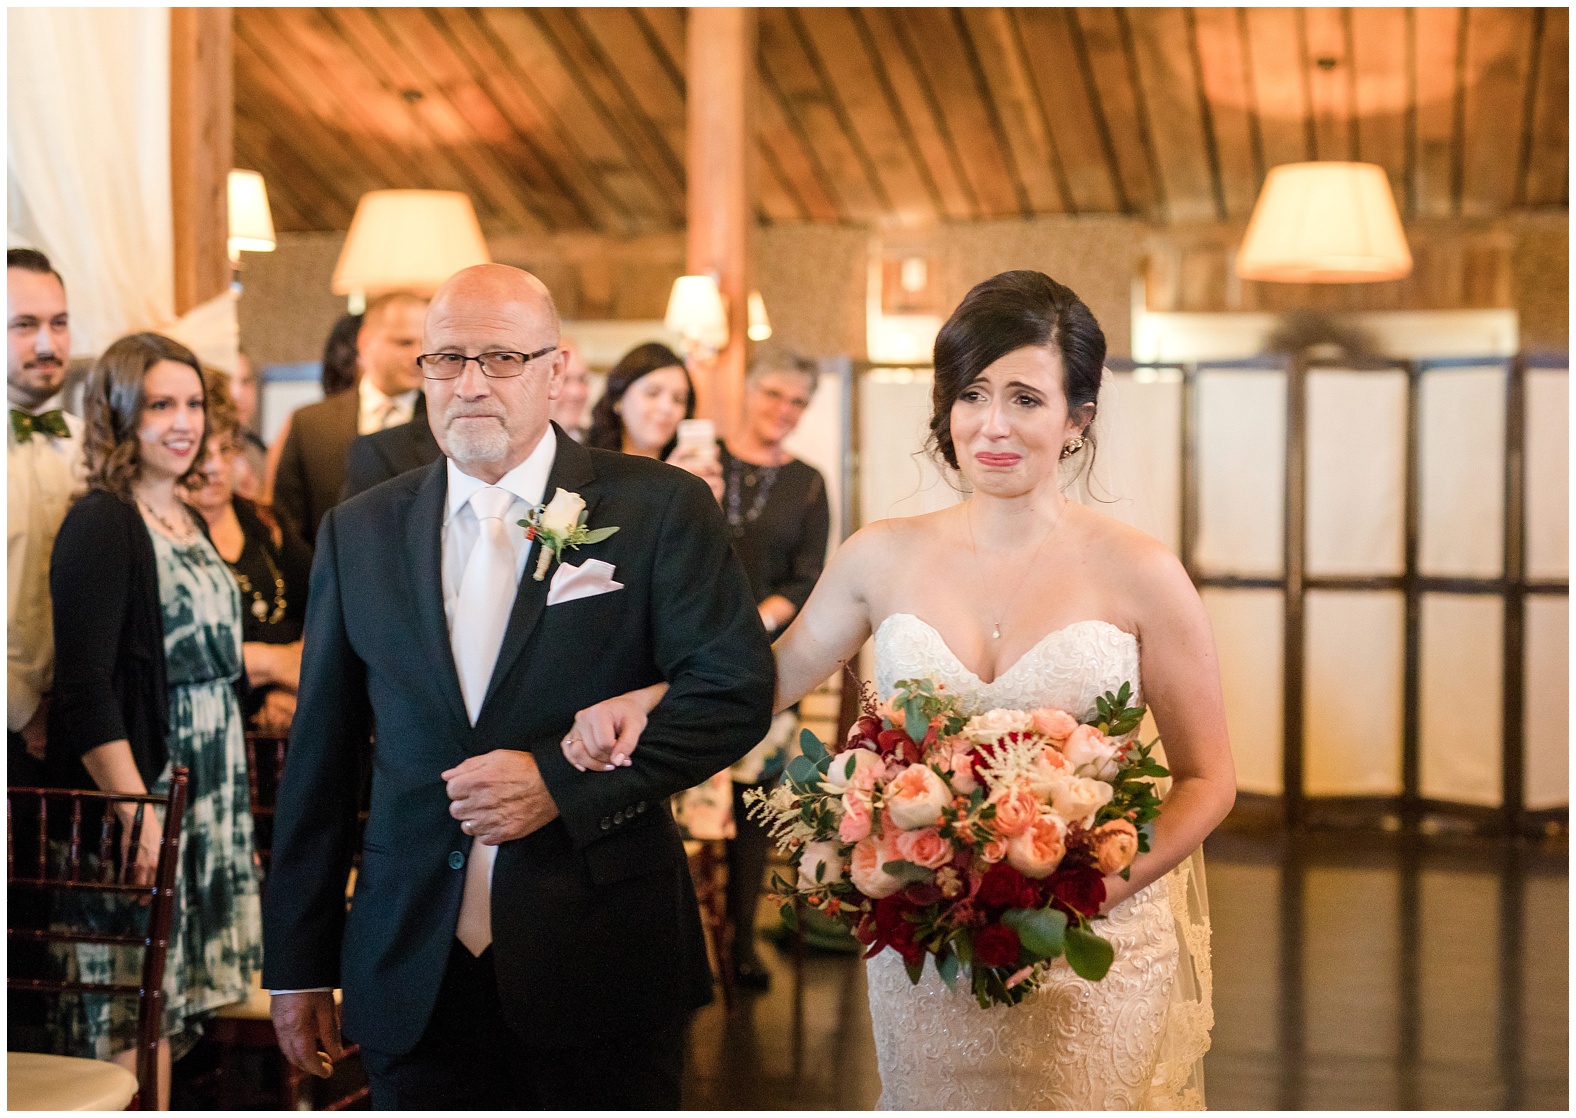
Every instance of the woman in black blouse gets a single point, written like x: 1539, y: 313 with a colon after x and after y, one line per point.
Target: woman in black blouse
x: 270, y: 563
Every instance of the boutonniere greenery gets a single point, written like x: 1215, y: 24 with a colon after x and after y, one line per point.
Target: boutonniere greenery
x: 559, y: 524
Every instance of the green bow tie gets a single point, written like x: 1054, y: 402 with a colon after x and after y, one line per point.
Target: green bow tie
x: 51, y: 423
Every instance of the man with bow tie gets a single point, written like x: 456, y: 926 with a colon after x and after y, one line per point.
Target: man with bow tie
x: 523, y: 934
x: 43, y: 454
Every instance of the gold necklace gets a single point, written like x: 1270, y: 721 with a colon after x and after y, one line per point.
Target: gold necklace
x: 169, y: 529
x: 995, y: 631
x: 259, y: 603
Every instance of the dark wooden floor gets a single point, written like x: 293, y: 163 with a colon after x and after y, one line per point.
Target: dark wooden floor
x: 1351, y: 972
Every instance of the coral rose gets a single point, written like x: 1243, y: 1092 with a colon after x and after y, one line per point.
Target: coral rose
x: 865, y: 869
x: 824, y: 856
x: 1016, y: 809
x: 925, y: 848
x: 916, y: 796
x: 1077, y: 798
x: 1091, y: 753
x: 1114, y: 844
x: 1038, y: 850
x: 962, y: 766
x: 848, y: 766
x: 996, y: 945
x: 855, y: 824
x: 1048, y: 722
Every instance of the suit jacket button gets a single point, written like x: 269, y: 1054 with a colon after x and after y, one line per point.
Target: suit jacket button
x: 641, y: 806
x: 618, y: 817
x: 456, y: 859
x: 607, y: 824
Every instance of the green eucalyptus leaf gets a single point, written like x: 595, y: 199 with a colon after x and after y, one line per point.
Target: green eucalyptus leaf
x: 915, y: 970
x: 947, y: 967
x: 801, y: 770
x: 811, y: 746
x: 908, y: 872
x: 1040, y: 930
x: 597, y: 535
x: 1088, y: 954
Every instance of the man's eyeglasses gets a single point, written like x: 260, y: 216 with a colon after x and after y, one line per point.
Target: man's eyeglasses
x: 499, y: 364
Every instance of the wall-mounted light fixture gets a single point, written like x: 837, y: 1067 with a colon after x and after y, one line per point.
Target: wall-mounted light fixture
x: 251, y: 222
x: 760, y: 327
x: 697, y: 314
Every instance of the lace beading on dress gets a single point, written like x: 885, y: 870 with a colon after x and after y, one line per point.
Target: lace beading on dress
x: 1133, y: 1040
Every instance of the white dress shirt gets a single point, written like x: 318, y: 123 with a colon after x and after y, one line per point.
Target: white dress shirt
x: 378, y: 411
x: 41, y: 475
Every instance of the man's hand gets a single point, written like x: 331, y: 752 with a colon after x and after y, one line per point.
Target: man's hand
x: 277, y: 711
x: 604, y: 735
x: 499, y: 796
x: 307, y: 1025
x: 33, y: 732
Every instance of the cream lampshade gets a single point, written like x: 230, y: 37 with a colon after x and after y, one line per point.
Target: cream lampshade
x: 251, y: 223
x: 408, y: 240
x: 1325, y: 223
x: 760, y: 327
x: 696, y: 312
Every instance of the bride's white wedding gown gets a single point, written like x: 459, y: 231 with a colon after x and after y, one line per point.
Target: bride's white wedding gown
x: 1134, y: 1040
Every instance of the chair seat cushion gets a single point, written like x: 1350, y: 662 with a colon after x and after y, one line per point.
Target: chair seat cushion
x: 35, y: 1081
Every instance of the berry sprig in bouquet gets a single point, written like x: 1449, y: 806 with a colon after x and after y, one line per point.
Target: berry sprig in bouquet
x: 982, y: 842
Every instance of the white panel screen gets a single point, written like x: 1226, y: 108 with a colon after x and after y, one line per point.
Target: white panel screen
x: 1462, y: 436
x: 896, y: 476
x: 1137, y: 475
x: 1548, y: 474
x: 1355, y: 649
x: 1241, y: 470
x: 1249, y: 627
x: 1547, y: 704
x: 1462, y: 673
x: 818, y: 440
x: 1356, y: 472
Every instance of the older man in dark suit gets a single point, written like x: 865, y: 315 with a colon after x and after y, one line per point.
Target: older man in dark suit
x: 524, y: 933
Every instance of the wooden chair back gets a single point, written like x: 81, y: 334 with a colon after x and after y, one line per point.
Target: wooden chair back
x: 93, y: 863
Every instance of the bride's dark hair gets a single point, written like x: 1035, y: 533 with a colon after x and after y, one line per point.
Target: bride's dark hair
x: 1005, y: 313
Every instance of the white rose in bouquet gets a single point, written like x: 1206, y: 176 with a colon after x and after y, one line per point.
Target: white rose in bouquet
x: 996, y: 724
x: 827, y: 857
x: 1077, y: 798
x: 1091, y: 753
x: 854, y: 767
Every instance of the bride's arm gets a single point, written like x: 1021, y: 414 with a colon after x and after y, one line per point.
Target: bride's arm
x: 1181, y: 685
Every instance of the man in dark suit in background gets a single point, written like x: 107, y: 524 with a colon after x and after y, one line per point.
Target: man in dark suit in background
x: 311, y: 470
x: 375, y: 458
x: 524, y: 933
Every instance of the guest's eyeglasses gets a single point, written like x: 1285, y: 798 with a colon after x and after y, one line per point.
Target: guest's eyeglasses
x: 499, y: 365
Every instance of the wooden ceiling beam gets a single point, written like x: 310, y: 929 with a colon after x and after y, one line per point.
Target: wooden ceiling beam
x: 832, y: 42
x: 1498, y: 65
x: 284, y: 203
x: 1162, y: 41
x: 1437, y: 34
x: 1328, y: 64
x: 1545, y: 179
x: 1380, y: 100
x: 1223, y: 74
x: 795, y: 155
x: 1075, y: 130
x: 1010, y: 83
x: 647, y: 85
x: 1101, y: 37
x: 286, y: 171
x: 1275, y: 62
x: 777, y: 200
x: 914, y: 111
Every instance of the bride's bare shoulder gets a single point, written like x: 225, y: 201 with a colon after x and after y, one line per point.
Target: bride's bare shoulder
x: 1143, y: 569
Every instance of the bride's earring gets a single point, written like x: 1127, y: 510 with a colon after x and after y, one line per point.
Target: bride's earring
x: 1074, y: 445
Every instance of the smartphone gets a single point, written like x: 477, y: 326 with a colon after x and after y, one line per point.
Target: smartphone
x: 698, y: 434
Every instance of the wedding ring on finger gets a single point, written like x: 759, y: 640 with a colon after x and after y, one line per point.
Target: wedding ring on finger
x: 466, y: 826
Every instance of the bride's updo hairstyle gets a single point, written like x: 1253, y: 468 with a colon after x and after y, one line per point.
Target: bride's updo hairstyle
x: 1009, y: 312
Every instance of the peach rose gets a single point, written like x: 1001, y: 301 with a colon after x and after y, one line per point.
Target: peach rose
x: 1057, y: 725
x: 865, y: 869
x: 1114, y: 843
x: 824, y: 856
x: 916, y: 796
x: 1050, y: 768
x: 855, y: 824
x: 1039, y: 849
x: 924, y: 847
x: 1016, y: 809
x: 994, y: 851
x: 962, y: 766
x: 1077, y: 798
x: 852, y: 765
x: 893, y: 714
x: 1091, y: 753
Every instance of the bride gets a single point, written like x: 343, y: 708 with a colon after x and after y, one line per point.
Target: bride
x: 1020, y: 597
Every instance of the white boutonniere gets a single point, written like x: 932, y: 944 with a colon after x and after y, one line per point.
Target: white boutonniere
x: 560, y: 524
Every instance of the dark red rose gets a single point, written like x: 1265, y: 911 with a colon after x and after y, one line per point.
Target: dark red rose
x: 996, y: 945
x: 1080, y: 888
x: 1004, y: 887
x: 897, y: 743
x: 867, y: 727
x: 889, y: 915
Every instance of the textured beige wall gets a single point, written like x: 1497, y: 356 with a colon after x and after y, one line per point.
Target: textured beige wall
x: 1540, y: 280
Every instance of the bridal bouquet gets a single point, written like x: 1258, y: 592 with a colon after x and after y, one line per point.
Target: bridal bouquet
x: 983, y: 842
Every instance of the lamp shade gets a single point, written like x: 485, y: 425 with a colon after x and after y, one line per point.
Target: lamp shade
x: 1325, y: 223
x: 760, y: 327
x: 408, y: 240
x: 251, y: 223
x: 696, y: 312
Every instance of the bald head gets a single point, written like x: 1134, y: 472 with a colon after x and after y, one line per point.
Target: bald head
x: 489, y: 425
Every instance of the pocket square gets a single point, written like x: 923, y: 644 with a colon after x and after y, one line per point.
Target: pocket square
x: 590, y: 578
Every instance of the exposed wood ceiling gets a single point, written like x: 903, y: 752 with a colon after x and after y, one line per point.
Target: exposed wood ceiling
x: 572, y: 119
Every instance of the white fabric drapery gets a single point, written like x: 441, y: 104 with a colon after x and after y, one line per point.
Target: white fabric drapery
x: 88, y: 172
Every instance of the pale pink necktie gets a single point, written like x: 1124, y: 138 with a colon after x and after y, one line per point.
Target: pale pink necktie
x: 481, y: 614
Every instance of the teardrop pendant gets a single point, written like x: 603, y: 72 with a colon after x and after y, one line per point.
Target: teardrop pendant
x: 996, y: 633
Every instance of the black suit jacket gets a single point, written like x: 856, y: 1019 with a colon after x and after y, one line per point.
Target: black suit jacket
x: 312, y: 464
x: 595, y: 926
x: 375, y: 458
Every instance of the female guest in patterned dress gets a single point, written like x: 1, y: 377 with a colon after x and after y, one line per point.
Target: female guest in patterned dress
x: 148, y: 635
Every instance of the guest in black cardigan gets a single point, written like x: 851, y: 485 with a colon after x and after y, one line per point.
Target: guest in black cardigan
x: 148, y: 651
x: 270, y: 563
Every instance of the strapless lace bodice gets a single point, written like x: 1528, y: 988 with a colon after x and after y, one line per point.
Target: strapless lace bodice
x: 1071, y: 1045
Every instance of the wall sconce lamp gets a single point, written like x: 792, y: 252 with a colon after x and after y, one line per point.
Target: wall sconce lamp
x: 251, y: 222
x: 697, y: 314
x: 1325, y: 222
x: 407, y: 240
x: 760, y: 327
